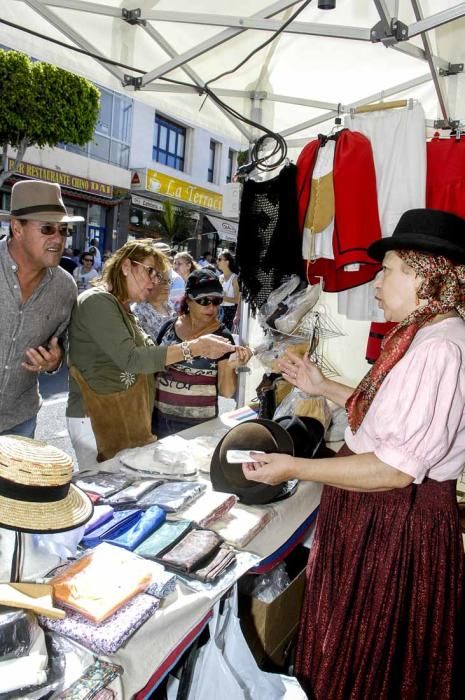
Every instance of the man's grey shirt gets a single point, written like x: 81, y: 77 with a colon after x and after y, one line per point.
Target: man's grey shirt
x: 45, y: 314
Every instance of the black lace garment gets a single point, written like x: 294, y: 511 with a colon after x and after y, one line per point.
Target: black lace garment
x: 269, y: 248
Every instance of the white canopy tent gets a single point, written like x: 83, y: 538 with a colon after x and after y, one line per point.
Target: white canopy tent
x: 321, y: 63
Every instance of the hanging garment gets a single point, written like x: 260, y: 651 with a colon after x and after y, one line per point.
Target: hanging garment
x: 398, y: 139
x: 445, y: 175
x: 268, y: 241
x: 356, y: 223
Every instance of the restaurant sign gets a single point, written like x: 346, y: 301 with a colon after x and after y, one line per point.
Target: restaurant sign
x: 74, y: 182
x: 160, y: 183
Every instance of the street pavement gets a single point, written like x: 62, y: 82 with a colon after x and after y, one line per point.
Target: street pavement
x: 51, y: 421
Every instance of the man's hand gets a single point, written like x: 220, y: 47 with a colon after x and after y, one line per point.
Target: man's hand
x: 44, y: 359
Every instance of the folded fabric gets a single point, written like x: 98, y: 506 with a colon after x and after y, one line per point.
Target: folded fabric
x: 163, y: 584
x: 131, y: 494
x: 172, y: 496
x: 242, y: 524
x: 100, y: 516
x: 101, y: 581
x: 149, y: 521
x: 164, y: 538
x: 104, y: 483
x: 120, y: 522
x: 193, y: 550
x: 106, y: 637
x: 213, y: 569
x: 209, y: 507
x: 91, y: 682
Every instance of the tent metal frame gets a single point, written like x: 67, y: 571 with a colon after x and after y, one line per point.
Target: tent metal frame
x: 390, y: 31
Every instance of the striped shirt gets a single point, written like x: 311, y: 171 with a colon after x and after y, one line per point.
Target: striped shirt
x: 188, y: 391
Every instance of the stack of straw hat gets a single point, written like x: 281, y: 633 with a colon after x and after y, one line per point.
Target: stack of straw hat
x: 36, y: 493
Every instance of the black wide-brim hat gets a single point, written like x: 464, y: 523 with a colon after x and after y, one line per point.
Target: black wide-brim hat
x: 427, y: 231
x: 307, y: 435
x: 258, y: 435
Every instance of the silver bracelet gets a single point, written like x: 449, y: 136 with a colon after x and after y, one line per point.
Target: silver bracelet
x: 186, y: 352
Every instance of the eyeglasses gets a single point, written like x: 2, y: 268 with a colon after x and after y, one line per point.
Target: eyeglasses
x: 206, y: 301
x: 50, y: 229
x: 88, y: 260
x: 151, y: 271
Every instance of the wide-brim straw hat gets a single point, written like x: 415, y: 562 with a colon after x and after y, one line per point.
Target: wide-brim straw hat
x: 261, y: 434
x: 36, y: 493
x: 34, y: 200
x: 426, y: 231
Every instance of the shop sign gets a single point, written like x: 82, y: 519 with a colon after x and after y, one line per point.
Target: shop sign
x: 146, y: 203
x: 227, y: 230
x: 74, y: 182
x: 185, y: 191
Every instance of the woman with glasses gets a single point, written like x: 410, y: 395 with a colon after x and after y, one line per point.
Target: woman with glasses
x: 186, y: 392
x: 231, y: 294
x: 154, y: 312
x: 112, y: 361
x: 85, y: 273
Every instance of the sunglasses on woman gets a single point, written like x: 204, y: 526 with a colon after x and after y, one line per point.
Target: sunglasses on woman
x: 206, y: 301
x: 151, y: 271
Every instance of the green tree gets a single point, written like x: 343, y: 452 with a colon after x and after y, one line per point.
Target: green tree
x: 42, y: 105
x: 174, y: 224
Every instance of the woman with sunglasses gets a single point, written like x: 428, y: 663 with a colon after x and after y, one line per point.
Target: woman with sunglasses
x: 186, y: 393
x: 85, y: 273
x: 112, y: 361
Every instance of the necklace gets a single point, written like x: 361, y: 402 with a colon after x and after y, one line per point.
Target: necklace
x: 209, y: 328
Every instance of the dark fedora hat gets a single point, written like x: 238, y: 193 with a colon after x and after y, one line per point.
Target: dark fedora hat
x: 307, y: 434
x: 428, y: 231
x: 260, y: 434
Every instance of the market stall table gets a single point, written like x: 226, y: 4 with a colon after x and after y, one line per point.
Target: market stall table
x: 158, y: 644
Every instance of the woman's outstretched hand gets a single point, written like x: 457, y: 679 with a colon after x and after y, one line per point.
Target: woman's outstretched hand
x: 240, y: 357
x: 211, y: 346
x: 302, y: 373
x: 269, y: 468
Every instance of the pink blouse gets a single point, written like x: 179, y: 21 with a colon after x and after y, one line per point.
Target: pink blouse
x: 416, y: 422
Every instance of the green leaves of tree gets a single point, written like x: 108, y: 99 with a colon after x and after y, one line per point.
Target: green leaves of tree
x: 44, y: 104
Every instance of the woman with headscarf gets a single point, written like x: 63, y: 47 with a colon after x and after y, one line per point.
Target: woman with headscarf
x: 112, y: 361
x: 383, y: 613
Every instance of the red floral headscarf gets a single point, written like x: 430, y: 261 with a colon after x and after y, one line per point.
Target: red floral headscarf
x: 444, y: 289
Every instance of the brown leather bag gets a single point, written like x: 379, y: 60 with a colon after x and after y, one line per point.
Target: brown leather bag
x: 121, y: 419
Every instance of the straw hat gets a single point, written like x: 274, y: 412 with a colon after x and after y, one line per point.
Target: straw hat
x: 36, y: 493
x: 34, y: 200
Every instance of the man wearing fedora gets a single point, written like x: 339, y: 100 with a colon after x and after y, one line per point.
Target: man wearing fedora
x: 37, y: 299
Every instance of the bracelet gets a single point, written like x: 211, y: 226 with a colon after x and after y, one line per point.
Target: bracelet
x: 186, y: 352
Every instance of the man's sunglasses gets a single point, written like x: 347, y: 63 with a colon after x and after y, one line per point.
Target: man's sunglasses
x: 50, y: 229
x: 88, y: 260
x: 206, y: 301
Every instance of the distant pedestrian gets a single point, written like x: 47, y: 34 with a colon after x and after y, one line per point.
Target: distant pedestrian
x: 67, y: 261
x: 94, y: 249
x: 85, y: 273
x: 184, y: 264
x: 205, y: 259
x: 37, y: 299
x: 228, y: 278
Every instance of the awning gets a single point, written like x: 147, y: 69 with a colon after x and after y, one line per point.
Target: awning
x: 227, y: 230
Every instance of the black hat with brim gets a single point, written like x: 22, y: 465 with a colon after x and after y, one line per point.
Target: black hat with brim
x: 307, y: 434
x: 258, y: 435
x: 427, y: 231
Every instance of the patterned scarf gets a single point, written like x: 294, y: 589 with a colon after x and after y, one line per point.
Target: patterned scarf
x: 444, y: 289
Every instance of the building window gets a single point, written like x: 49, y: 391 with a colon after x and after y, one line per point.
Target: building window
x: 231, y: 166
x: 211, y: 162
x: 112, y: 135
x: 169, y: 142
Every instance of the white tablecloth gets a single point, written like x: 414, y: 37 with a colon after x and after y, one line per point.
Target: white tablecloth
x: 152, y: 645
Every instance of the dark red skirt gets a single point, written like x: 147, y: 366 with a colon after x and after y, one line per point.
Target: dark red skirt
x: 383, y: 609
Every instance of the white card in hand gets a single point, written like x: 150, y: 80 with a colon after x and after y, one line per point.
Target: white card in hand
x: 240, y: 456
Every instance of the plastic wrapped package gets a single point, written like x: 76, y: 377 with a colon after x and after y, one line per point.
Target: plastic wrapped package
x: 297, y: 307
x: 278, y: 296
x: 269, y: 586
x: 298, y: 403
x: 101, y: 581
x: 17, y: 629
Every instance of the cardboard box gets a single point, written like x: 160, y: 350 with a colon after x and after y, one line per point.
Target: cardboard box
x: 271, y: 628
